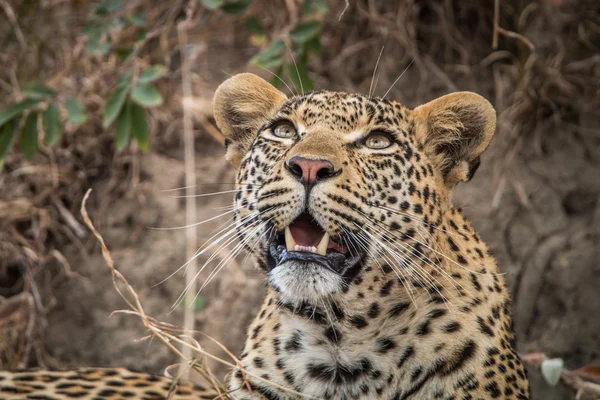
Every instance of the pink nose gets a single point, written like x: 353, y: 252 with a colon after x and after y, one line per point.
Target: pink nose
x: 310, y: 171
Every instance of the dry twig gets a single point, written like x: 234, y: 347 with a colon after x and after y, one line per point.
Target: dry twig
x: 498, y: 29
x: 191, y: 245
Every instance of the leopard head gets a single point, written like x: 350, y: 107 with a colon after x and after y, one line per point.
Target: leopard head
x: 330, y: 183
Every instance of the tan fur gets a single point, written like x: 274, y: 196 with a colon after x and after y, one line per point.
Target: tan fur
x: 455, y: 129
x: 241, y: 105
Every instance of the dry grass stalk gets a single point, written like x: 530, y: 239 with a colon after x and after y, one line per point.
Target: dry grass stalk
x: 189, y: 158
x: 499, y: 30
x: 170, y: 334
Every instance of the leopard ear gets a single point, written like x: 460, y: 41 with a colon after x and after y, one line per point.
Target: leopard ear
x: 242, y: 104
x: 454, y: 130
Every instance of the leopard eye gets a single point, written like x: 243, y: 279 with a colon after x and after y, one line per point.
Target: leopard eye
x: 378, y: 141
x: 284, y: 130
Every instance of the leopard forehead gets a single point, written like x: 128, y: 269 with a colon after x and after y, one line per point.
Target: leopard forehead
x: 344, y: 112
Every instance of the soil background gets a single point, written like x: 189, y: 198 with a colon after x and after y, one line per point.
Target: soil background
x: 534, y: 199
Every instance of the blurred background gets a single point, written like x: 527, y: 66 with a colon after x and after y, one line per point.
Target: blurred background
x: 110, y: 95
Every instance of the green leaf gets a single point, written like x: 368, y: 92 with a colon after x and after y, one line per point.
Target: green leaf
x: 140, y: 35
x: 15, y: 109
x: 107, y: 7
x: 313, y: 46
x: 36, y: 90
x: 95, y: 29
x: 309, y: 6
x: 29, y: 136
x: 277, y: 77
x: 254, y: 26
x: 146, y: 95
x: 305, y: 31
x: 270, y: 57
x: 123, y: 127
x: 321, y: 6
x: 236, y: 7
x: 139, y: 126
x: 125, y: 79
x: 137, y: 19
x: 258, y: 36
x: 124, y: 54
x: 300, y: 76
x: 52, y: 126
x: 212, y: 4
x: 114, y: 104
x: 200, y: 303
x: 95, y: 47
x: 551, y: 370
x: 118, y: 23
x: 75, y: 111
x: 152, y: 73
x: 7, y: 135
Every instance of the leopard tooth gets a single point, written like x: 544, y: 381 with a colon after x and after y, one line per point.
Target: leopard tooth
x: 322, y: 247
x: 290, y: 243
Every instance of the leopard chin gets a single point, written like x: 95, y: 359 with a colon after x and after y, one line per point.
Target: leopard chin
x: 307, y: 264
x: 304, y: 281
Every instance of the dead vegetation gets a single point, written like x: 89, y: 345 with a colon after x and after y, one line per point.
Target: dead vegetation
x: 537, y: 61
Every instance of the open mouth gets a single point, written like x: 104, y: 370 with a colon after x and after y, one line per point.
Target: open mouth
x: 304, y: 240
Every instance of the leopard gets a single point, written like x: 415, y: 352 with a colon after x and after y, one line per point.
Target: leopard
x: 377, y: 285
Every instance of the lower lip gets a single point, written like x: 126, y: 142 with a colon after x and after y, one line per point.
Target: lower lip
x: 335, y: 262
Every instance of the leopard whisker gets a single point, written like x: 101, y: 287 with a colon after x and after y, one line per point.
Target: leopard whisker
x: 225, y: 244
x: 375, y: 225
x: 192, y: 225
x: 380, y: 253
x: 424, y: 257
x: 282, y: 81
x: 406, y: 248
x: 205, y: 184
x: 397, y: 79
x: 449, y: 277
x: 398, y: 271
x: 239, y: 232
x: 230, y: 224
x: 415, y: 218
x: 230, y: 229
x: 207, y: 194
x: 371, y: 89
x: 296, y: 66
x: 420, y: 273
x: 329, y: 319
x: 433, y: 226
x: 232, y: 254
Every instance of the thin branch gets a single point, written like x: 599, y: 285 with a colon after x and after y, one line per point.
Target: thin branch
x: 12, y: 17
x: 191, y: 246
x: 344, y: 10
x: 499, y: 30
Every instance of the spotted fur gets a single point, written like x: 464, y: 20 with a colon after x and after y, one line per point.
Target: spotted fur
x: 425, y: 314
x: 95, y: 383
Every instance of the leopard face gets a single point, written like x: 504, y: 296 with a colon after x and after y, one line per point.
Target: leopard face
x: 323, y: 175
x: 329, y: 182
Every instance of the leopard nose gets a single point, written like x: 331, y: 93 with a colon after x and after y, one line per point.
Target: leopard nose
x: 311, y: 171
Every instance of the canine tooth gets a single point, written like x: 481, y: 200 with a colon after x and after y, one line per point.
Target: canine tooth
x: 322, y: 247
x: 290, y: 243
